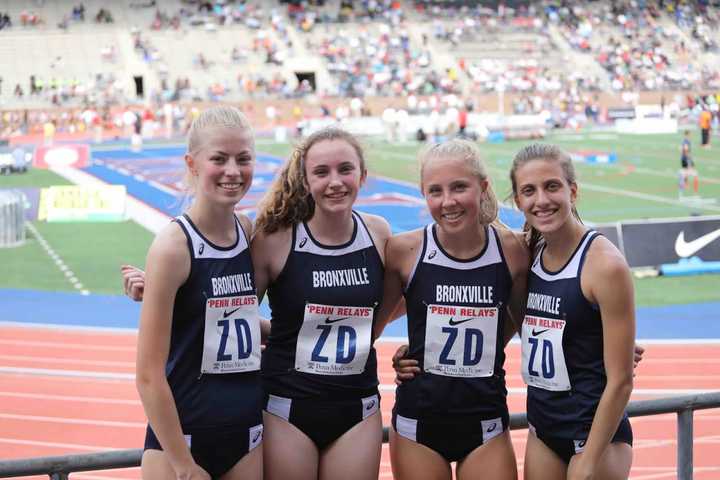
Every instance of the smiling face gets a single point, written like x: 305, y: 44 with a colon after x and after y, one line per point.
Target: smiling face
x: 223, y: 165
x: 453, y: 192
x: 544, y: 194
x: 334, y: 174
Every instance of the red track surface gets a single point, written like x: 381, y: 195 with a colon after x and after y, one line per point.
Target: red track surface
x: 56, y: 398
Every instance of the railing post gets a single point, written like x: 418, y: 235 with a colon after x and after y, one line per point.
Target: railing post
x: 685, y: 444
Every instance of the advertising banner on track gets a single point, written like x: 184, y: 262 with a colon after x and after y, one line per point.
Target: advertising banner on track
x: 83, y: 203
x: 75, y: 155
x: 657, y: 242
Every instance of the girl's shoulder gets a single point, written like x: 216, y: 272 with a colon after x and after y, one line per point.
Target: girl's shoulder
x: 376, y: 224
x: 406, y: 242
x: 603, y: 260
x: 514, y: 247
x: 169, y: 246
x: 246, y: 223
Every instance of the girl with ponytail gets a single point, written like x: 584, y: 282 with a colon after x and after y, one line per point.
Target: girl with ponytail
x: 578, y: 330
x: 461, y: 278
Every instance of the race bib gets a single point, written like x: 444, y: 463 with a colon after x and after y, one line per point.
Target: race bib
x: 543, y: 359
x: 334, y: 340
x: 460, y: 341
x: 232, y: 335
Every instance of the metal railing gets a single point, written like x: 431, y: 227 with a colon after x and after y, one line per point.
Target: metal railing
x: 59, y: 468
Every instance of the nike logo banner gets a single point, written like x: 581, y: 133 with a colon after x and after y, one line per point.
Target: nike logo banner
x: 686, y: 249
x: 656, y: 242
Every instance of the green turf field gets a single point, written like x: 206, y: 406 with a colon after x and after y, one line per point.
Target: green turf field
x: 642, y: 185
x: 92, y: 251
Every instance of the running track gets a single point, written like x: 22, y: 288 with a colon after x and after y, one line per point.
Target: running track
x: 70, y: 391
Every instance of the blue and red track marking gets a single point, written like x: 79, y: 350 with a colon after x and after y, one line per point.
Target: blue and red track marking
x: 143, y: 172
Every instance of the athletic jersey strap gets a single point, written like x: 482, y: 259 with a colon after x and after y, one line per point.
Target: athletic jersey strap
x: 306, y: 243
x: 201, y: 247
x: 573, y: 265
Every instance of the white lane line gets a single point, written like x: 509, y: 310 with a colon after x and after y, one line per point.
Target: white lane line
x: 49, y: 372
x: 69, y: 398
x: 72, y: 278
x: 86, y: 476
x: 68, y: 446
x: 72, y: 421
x: 672, y: 473
x: 54, y: 360
x: 638, y: 391
x: 83, y: 329
x: 80, y: 346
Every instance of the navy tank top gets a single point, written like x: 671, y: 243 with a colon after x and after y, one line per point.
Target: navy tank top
x: 562, y: 348
x: 456, y: 313
x: 323, y: 309
x: 214, y: 359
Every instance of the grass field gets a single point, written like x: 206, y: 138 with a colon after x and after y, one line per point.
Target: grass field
x: 93, y: 252
x: 643, y: 184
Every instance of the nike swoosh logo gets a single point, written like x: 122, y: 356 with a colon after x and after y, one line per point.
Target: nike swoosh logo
x: 453, y: 322
x: 686, y: 249
x: 327, y: 320
x: 257, y: 437
x: 536, y: 333
x: 492, y: 429
x: 370, y: 405
x: 227, y: 314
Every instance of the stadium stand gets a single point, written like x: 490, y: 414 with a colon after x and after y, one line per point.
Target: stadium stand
x: 306, y: 58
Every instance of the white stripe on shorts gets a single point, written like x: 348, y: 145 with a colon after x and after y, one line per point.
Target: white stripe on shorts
x: 491, y: 428
x: 370, y: 405
x: 255, y: 435
x: 279, y: 406
x: 407, y: 427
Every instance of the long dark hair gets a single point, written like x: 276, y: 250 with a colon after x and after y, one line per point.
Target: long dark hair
x: 542, y: 151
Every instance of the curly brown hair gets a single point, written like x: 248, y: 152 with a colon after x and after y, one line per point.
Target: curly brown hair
x: 288, y: 201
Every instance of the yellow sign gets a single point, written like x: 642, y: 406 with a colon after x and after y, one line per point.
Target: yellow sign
x: 82, y: 203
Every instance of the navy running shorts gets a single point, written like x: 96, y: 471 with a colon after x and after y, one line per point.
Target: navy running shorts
x: 216, y: 449
x: 323, y: 421
x: 566, y: 449
x: 452, y: 437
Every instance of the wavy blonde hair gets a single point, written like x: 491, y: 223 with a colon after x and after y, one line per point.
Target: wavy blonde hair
x: 469, y: 153
x: 288, y: 201
x: 542, y: 151
x: 214, y: 117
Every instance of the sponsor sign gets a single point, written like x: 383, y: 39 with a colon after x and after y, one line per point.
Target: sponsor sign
x: 615, y: 113
x: 76, y: 156
x: 82, y: 203
x: 657, y: 242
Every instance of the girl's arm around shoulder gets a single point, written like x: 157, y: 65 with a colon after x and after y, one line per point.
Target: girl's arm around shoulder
x: 517, y: 257
x: 269, y: 253
x: 379, y: 230
x: 400, y: 254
